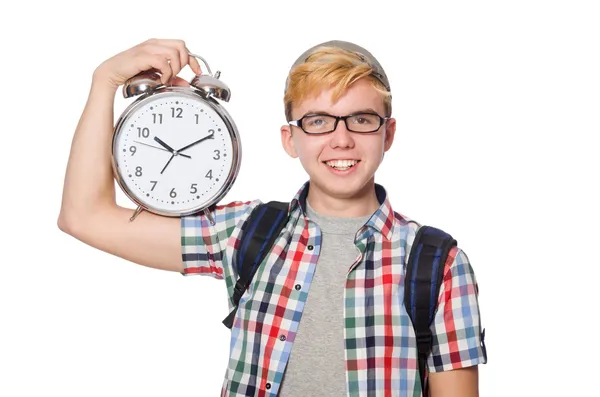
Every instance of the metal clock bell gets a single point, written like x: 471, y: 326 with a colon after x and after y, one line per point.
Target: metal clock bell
x: 176, y: 150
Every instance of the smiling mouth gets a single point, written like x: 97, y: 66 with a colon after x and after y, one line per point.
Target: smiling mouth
x: 341, y: 165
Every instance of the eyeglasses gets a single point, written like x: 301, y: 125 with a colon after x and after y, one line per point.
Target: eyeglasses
x: 324, y: 123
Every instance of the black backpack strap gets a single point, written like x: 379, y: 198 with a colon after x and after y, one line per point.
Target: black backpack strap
x: 262, y: 228
x: 424, y: 276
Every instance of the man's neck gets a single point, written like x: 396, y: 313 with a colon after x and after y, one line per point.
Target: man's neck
x: 362, y: 203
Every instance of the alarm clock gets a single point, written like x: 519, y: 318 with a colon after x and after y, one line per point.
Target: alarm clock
x: 175, y: 150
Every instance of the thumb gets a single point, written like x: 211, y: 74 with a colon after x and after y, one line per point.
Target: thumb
x: 179, y: 82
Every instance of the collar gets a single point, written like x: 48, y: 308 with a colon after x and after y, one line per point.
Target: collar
x: 381, y: 221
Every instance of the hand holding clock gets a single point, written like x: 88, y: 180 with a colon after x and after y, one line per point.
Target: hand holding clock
x: 89, y: 208
x: 168, y: 56
x: 172, y: 117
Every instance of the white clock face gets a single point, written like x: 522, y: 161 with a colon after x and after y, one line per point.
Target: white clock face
x: 174, y: 153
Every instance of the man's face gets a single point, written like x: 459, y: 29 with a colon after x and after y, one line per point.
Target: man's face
x: 364, y: 150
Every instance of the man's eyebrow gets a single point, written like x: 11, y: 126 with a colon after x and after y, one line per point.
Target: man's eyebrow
x: 367, y: 110
x: 315, y: 111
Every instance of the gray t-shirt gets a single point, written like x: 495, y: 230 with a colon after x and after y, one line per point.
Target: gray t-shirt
x: 317, y: 362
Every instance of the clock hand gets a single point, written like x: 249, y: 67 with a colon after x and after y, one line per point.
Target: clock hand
x: 196, y: 142
x: 169, y: 148
x: 166, y: 150
x: 165, y: 167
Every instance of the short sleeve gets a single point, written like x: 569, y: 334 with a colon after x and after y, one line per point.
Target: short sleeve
x: 458, y: 338
x: 204, y: 244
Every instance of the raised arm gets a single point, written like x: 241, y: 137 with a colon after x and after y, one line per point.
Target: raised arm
x: 89, y: 211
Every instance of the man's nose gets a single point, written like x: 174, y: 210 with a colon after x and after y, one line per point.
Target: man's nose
x: 341, y: 136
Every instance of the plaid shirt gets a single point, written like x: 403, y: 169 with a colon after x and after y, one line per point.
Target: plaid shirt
x: 380, y: 345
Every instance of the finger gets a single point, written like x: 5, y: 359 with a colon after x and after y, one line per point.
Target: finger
x: 160, y: 62
x: 179, y: 81
x: 184, y: 52
x: 186, y: 58
x: 178, y: 45
x: 170, y: 53
x: 190, y: 59
x: 174, y: 60
x: 194, y: 65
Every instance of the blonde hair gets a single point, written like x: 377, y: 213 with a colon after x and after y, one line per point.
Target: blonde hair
x: 329, y: 67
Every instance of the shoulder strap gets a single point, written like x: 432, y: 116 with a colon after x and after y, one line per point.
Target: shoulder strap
x: 262, y: 228
x: 424, y: 276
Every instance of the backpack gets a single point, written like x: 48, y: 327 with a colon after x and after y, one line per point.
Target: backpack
x: 424, y: 271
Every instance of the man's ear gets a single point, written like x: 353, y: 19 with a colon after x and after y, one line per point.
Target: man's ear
x: 287, y: 141
x: 390, y: 132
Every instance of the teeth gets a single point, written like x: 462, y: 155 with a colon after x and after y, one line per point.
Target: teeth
x: 341, y: 163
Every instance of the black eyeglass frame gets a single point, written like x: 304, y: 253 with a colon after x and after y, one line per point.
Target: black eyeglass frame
x: 298, y: 123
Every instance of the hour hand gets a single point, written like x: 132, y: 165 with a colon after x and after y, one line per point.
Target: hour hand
x: 161, y: 143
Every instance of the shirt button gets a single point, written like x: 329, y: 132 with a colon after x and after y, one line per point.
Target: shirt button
x: 310, y: 247
x: 282, y: 337
x: 268, y: 386
x: 298, y: 286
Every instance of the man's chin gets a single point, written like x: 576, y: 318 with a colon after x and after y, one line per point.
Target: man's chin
x: 340, y: 189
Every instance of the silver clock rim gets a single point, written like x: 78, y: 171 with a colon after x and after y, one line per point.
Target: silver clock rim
x: 233, y: 133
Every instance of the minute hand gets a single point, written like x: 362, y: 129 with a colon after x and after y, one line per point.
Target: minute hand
x: 195, y: 143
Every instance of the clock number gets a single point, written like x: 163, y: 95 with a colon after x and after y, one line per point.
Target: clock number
x: 132, y: 149
x: 209, y: 174
x: 143, y: 132
x: 217, y: 154
x: 153, y: 185
x: 159, y: 118
x: 178, y: 110
x: 138, y: 171
x: 193, y: 189
x: 173, y: 193
x: 196, y: 118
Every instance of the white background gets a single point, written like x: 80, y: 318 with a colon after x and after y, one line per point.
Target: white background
x: 498, y: 116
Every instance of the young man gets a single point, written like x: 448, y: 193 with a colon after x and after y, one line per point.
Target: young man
x: 324, y: 314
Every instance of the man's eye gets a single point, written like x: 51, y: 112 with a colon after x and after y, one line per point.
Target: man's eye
x: 317, y: 122
x: 364, y: 119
